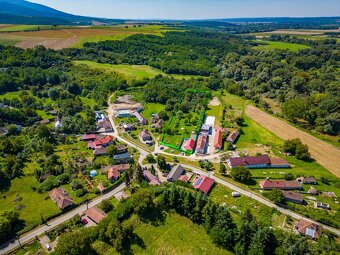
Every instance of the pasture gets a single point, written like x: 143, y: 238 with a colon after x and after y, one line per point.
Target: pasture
x: 268, y: 45
x: 29, y: 36
x: 132, y: 72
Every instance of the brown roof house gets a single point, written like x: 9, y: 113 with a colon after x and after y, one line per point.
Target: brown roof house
x: 61, y: 197
x: 145, y: 136
x: 233, y: 136
x: 307, y: 228
x: 114, y: 172
x: 294, y: 197
x: 175, y: 173
x: 307, y: 180
x: 95, y: 214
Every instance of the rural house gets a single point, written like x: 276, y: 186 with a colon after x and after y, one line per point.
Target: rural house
x: 120, y: 148
x: 280, y: 184
x: 175, y: 173
x: 145, y: 136
x: 122, y: 158
x: 189, y: 145
x: 307, y: 228
x: 99, y: 151
x: 307, y: 180
x: 128, y: 127
x: 104, y: 126
x: 205, y: 128
x: 88, y: 137
x: 140, y: 118
x: 294, y: 197
x: 61, y: 198
x: 95, y: 214
x: 218, y: 138
x: 201, y: 143
x: 159, y: 124
x: 203, y: 183
x: 321, y: 205
x: 312, y: 191
x: 151, y: 178
x: 114, y: 172
x: 233, y: 136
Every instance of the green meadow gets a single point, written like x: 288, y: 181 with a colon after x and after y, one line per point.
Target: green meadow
x: 268, y: 45
x: 132, y: 72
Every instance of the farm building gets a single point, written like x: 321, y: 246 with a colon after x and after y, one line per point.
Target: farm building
x: 95, y: 214
x: 203, y: 183
x: 280, y: 184
x: 122, y: 113
x: 145, y: 135
x: 294, y: 197
x: 279, y: 163
x: 218, y: 138
x: 233, y: 136
x: 61, y: 198
x: 151, y: 178
x: 321, y: 205
x: 262, y: 161
x: 201, y: 143
x: 307, y: 228
x: 312, y: 191
x: 175, y: 173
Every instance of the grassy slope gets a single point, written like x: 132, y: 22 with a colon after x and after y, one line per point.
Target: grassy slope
x: 177, y: 236
x: 281, y: 46
x: 131, y: 72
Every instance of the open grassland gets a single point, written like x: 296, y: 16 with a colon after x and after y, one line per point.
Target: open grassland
x: 303, y: 31
x: 34, y: 204
x: 132, y: 72
x: 325, y: 154
x: 268, y: 45
x: 29, y: 36
x: 178, y: 235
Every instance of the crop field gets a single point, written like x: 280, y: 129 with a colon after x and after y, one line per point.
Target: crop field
x: 302, y: 31
x: 19, y: 28
x: 132, y: 72
x: 65, y: 37
x: 325, y: 154
x: 268, y: 45
x: 177, y: 235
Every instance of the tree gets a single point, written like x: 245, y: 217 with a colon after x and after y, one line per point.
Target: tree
x: 239, y: 121
x: 76, y: 184
x: 276, y: 196
x: 111, y: 150
x: 153, y: 170
x: 117, y: 235
x: 9, y: 222
x: 223, y: 169
x: 150, y: 159
x: 241, y: 174
x: 106, y: 206
x: 294, y: 109
x: 302, y: 152
x: 161, y: 162
x: 139, y: 173
x: 163, y: 115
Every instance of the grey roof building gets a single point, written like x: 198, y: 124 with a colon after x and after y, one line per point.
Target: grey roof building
x: 175, y: 173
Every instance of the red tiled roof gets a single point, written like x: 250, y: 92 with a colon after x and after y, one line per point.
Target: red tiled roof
x: 308, y: 228
x: 151, y: 178
x: 183, y: 178
x: 189, y: 145
x: 233, y: 136
x: 103, y: 141
x: 292, y: 195
x: 201, y: 142
x: 95, y: 214
x: 144, y: 133
x: 203, y: 183
x: 218, y: 138
x: 249, y: 161
x: 61, y: 197
x: 279, y: 184
x: 278, y: 162
x: 89, y: 137
x: 115, y: 171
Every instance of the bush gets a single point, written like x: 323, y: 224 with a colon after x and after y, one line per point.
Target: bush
x: 241, y: 174
x: 76, y: 184
x: 150, y: 159
x: 106, y: 206
x: 79, y: 192
x: 50, y: 183
x: 289, y: 177
x: 276, y: 196
x: 297, y: 148
x: 63, y: 178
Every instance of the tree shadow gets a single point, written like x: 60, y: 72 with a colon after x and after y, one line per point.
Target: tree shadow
x: 154, y: 216
x: 5, y: 185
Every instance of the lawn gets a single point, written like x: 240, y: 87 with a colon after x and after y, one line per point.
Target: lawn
x: 268, y: 45
x: 178, y: 235
x: 44, y: 115
x: 151, y: 108
x: 35, y: 204
x: 132, y: 72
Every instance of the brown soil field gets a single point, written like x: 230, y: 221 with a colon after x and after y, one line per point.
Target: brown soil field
x: 56, y: 44
x: 214, y: 102
x: 302, y: 31
x: 325, y: 154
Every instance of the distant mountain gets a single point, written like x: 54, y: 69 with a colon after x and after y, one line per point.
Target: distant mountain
x: 24, y: 12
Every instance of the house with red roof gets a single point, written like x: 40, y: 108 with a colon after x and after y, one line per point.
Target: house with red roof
x: 280, y: 184
x: 61, y: 198
x: 153, y: 180
x: 189, y: 145
x: 218, y: 138
x: 114, y: 172
x: 201, y: 143
x: 292, y: 196
x: 95, y: 214
x: 88, y: 137
x: 203, y: 183
x: 308, y: 228
x: 262, y: 161
x: 233, y: 136
x: 279, y: 163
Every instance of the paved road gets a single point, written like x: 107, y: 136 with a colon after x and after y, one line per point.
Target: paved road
x: 259, y: 199
x: 52, y: 224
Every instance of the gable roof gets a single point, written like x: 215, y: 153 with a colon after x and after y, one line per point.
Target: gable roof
x: 278, y: 162
x: 250, y: 161
x: 201, y: 142
x: 203, y: 183
x: 189, y: 145
x: 279, y: 184
x: 113, y: 172
x: 308, y: 228
x: 99, y: 151
x: 175, y: 173
x: 233, y: 136
x: 292, y: 195
x: 122, y: 156
x: 89, y: 137
x: 218, y: 138
x: 61, y: 197
x: 144, y: 134
x: 151, y: 178
x: 95, y: 214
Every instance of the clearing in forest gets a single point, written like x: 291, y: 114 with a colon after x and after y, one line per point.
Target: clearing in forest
x: 269, y: 45
x: 325, y: 154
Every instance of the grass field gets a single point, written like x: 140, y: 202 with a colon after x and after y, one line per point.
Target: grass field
x: 28, y: 36
x: 151, y: 108
x: 132, y: 72
x: 178, y: 235
x: 268, y: 45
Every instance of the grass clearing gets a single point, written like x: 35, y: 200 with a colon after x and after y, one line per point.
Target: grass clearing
x: 268, y: 45
x: 132, y: 72
x: 178, y: 235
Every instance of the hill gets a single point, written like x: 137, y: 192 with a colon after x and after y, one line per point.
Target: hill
x: 24, y: 12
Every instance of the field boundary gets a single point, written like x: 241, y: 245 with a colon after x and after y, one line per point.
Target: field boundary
x: 199, y: 123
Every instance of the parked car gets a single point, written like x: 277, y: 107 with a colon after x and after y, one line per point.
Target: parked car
x: 85, y: 221
x: 48, y: 246
x: 161, y: 148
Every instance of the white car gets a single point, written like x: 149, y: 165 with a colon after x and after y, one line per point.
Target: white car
x: 48, y: 246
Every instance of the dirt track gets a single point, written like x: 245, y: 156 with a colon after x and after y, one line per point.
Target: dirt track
x: 325, y: 154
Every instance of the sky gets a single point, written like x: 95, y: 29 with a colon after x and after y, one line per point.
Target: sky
x: 195, y: 9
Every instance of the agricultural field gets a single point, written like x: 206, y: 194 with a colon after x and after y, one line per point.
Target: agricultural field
x: 268, y: 45
x: 28, y: 36
x: 178, y: 235
x: 132, y: 72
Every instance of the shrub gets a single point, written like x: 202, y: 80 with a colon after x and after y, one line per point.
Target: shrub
x: 50, y: 183
x: 79, y: 192
x: 241, y: 174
